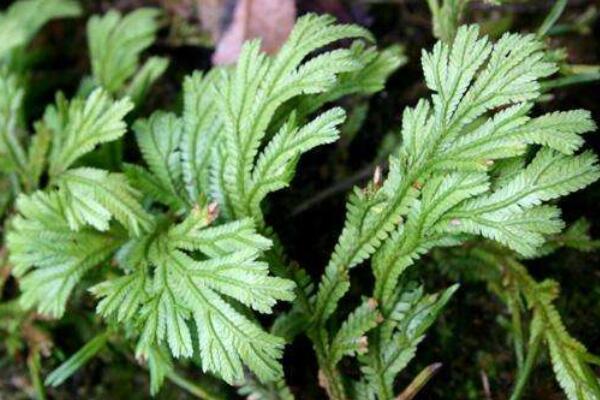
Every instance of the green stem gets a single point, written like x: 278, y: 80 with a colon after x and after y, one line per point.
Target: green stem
x: 517, y: 325
x: 381, y: 386
x: 569, y: 80
x: 331, y: 381
x: 330, y: 378
x: 191, y: 387
x: 33, y: 364
x: 525, y: 372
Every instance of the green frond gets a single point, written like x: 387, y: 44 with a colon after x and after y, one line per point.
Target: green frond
x: 149, y: 73
x: 351, y: 337
x: 548, y: 176
x: 116, y: 43
x: 363, y: 214
x: 478, y: 115
x: 413, y: 313
x: 576, y: 236
x: 559, y: 130
x: 371, y: 78
x: 507, y: 133
x: 417, y: 236
x: 218, y: 240
x: 79, y: 126
x: 159, y: 365
x: 202, y: 126
x: 11, y: 103
x: 181, y: 292
x: 275, y: 166
x: 250, y: 94
x: 512, y: 215
x: 472, y: 77
x: 522, y: 230
x: 159, y: 140
x: 21, y: 21
x: 570, y: 359
x: 185, y: 273
x: 48, y: 257
x: 93, y: 196
x: 123, y: 296
x: 449, y: 178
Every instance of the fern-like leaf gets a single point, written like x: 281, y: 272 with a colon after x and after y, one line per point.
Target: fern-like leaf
x: 461, y: 130
x: 182, y: 288
x: 24, y: 18
x: 351, y: 337
x: 49, y: 257
x: 115, y: 44
x: 250, y: 94
x: 11, y: 102
x: 77, y: 127
x: 413, y: 313
x: 159, y: 141
x: 93, y: 196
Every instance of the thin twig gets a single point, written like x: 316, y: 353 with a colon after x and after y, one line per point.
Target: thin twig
x: 419, y: 382
x: 342, y: 186
x: 486, y: 385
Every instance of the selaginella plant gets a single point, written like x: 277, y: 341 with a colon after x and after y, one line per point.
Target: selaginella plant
x: 187, y: 263
x: 191, y: 254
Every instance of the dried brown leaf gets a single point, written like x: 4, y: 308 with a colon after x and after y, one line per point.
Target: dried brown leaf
x: 269, y: 20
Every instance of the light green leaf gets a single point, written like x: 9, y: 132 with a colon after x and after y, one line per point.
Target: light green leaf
x: 79, y: 126
x: 77, y: 360
x: 93, y: 196
x: 116, y: 42
x: 48, y: 257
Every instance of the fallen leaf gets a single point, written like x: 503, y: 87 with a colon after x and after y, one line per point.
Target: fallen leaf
x: 269, y: 20
x: 214, y: 15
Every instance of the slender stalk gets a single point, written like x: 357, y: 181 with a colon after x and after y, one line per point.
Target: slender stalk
x: 419, y: 382
x: 525, y: 372
x: 339, y: 187
x: 330, y: 378
x: 569, y: 80
x: 191, y: 387
x: 33, y: 364
x: 381, y: 387
x: 517, y: 325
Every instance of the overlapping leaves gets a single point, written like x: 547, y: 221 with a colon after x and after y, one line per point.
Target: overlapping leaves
x: 186, y: 274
